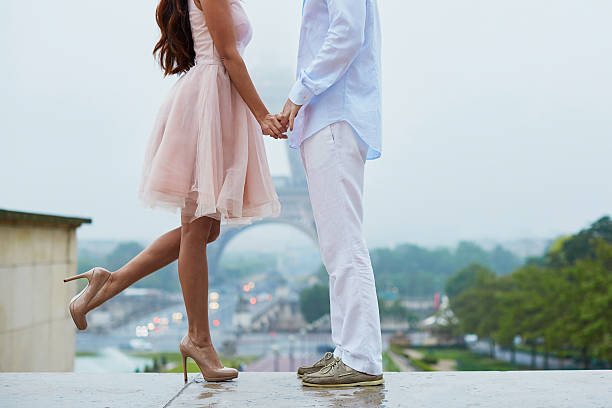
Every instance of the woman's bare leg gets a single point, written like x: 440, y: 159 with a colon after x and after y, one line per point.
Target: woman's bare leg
x: 193, y: 275
x: 160, y: 253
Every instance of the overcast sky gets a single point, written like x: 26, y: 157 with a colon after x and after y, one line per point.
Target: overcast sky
x: 497, y: 114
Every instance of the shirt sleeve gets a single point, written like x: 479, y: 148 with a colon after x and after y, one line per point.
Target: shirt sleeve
x: 341, y: 46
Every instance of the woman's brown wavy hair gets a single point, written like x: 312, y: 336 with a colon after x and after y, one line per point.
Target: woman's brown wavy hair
x: 174, y: 49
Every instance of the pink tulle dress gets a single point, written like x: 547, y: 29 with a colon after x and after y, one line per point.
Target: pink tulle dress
x: 206, y: 155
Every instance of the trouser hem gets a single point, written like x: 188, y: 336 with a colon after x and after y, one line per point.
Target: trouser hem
x: 359, y: 363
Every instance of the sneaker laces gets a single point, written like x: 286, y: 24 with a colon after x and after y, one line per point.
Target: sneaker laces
x: 331, y: 366
x: 325, y: 357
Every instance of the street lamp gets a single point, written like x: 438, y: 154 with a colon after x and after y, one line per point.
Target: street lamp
x: 276, y: 362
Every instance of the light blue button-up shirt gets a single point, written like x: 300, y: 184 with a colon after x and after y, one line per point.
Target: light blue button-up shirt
x: 339, y: 70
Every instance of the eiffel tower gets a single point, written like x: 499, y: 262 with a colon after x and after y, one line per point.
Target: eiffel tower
x: 295, y: 211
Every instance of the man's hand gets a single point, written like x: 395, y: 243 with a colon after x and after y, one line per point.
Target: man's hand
x: 271, y: 125
x: 289, y: 113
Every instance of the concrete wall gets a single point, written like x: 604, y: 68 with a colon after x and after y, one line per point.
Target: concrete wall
x: 36, y: 331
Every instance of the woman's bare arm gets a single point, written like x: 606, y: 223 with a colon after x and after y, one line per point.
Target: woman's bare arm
x: 221, y: 25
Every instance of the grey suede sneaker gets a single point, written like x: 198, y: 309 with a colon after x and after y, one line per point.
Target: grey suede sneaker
x: 338, y: 374
x: 325, y: 360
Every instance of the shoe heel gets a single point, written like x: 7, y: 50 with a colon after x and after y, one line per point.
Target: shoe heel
x: 185, y: 367
x: 81, y: 275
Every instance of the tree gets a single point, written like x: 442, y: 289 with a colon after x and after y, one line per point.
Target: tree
x: 581, y: 246
x: 314, y: 302
x: 480, y: 307
x: 466, y: 278
x: 558, y: 308
x: 397, y: 311
x: 468, y: 253
x: 590, y: 323
x: 416, y: 271
x: 503, y: 261
x: 531, y: 308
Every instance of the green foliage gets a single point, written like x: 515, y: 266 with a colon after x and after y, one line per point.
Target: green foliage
x: 413, y: 270
x: 591, y: 325
x: 563, y: 303
x: 398, y: 350
x: 395, y: 310
x: 388, y: 363
x: 465, y: 360
x: 430, y: 358
x: 314, y: 302
x: 467, y: 278
x: 581, y: 246
x: 421, y: 365
x: 86, y: 354
x: 417, y: 271
x: 480, y: 308
x: 557, y: 244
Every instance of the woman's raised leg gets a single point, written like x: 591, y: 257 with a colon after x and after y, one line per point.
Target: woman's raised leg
x: 163, y: 251
x: 103, y: 285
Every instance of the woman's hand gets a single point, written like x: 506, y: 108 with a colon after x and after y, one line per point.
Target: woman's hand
x: 270, y: 125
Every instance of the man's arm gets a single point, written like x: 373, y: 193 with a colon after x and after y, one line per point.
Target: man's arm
x: 342, y: 44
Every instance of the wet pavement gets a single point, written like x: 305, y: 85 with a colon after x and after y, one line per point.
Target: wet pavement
x: 55, y: 390
x: 524, y: 389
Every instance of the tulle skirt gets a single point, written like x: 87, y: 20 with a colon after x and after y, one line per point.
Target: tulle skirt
x: 205, y: 156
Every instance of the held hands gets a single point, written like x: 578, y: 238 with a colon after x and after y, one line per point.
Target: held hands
x: 277, y: 125
x: 271, y: 125
x: 290, y: 111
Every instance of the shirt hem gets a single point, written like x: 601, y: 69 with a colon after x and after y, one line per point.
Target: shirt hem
x: 373, y: 152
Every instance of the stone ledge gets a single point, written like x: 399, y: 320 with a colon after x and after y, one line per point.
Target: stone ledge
x: 19, y: 217
x: 523, y: 389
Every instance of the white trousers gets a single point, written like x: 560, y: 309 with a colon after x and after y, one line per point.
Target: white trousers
x: 334, y: 160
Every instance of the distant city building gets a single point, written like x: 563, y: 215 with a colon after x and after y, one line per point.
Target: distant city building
x: 37, y: 252
x: 280, y: 312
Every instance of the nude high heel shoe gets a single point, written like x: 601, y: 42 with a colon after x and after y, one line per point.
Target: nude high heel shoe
x: 96, y: 278
x: 189, y: 349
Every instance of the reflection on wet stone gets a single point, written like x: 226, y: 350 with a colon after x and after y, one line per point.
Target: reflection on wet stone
x: 205, y: 395
x: 349, y: 397
x: 277, y: 390
x: 499, y: 389
x: 509, y: 389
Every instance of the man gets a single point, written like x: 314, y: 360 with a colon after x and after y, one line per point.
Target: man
x: 334, y: 113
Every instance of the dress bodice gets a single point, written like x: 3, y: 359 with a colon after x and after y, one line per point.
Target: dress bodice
x: 202, y: 40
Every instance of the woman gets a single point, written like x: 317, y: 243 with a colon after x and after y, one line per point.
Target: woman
x: 205, y: 157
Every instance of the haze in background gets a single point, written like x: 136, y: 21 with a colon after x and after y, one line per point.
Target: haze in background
x: 497, y: 115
